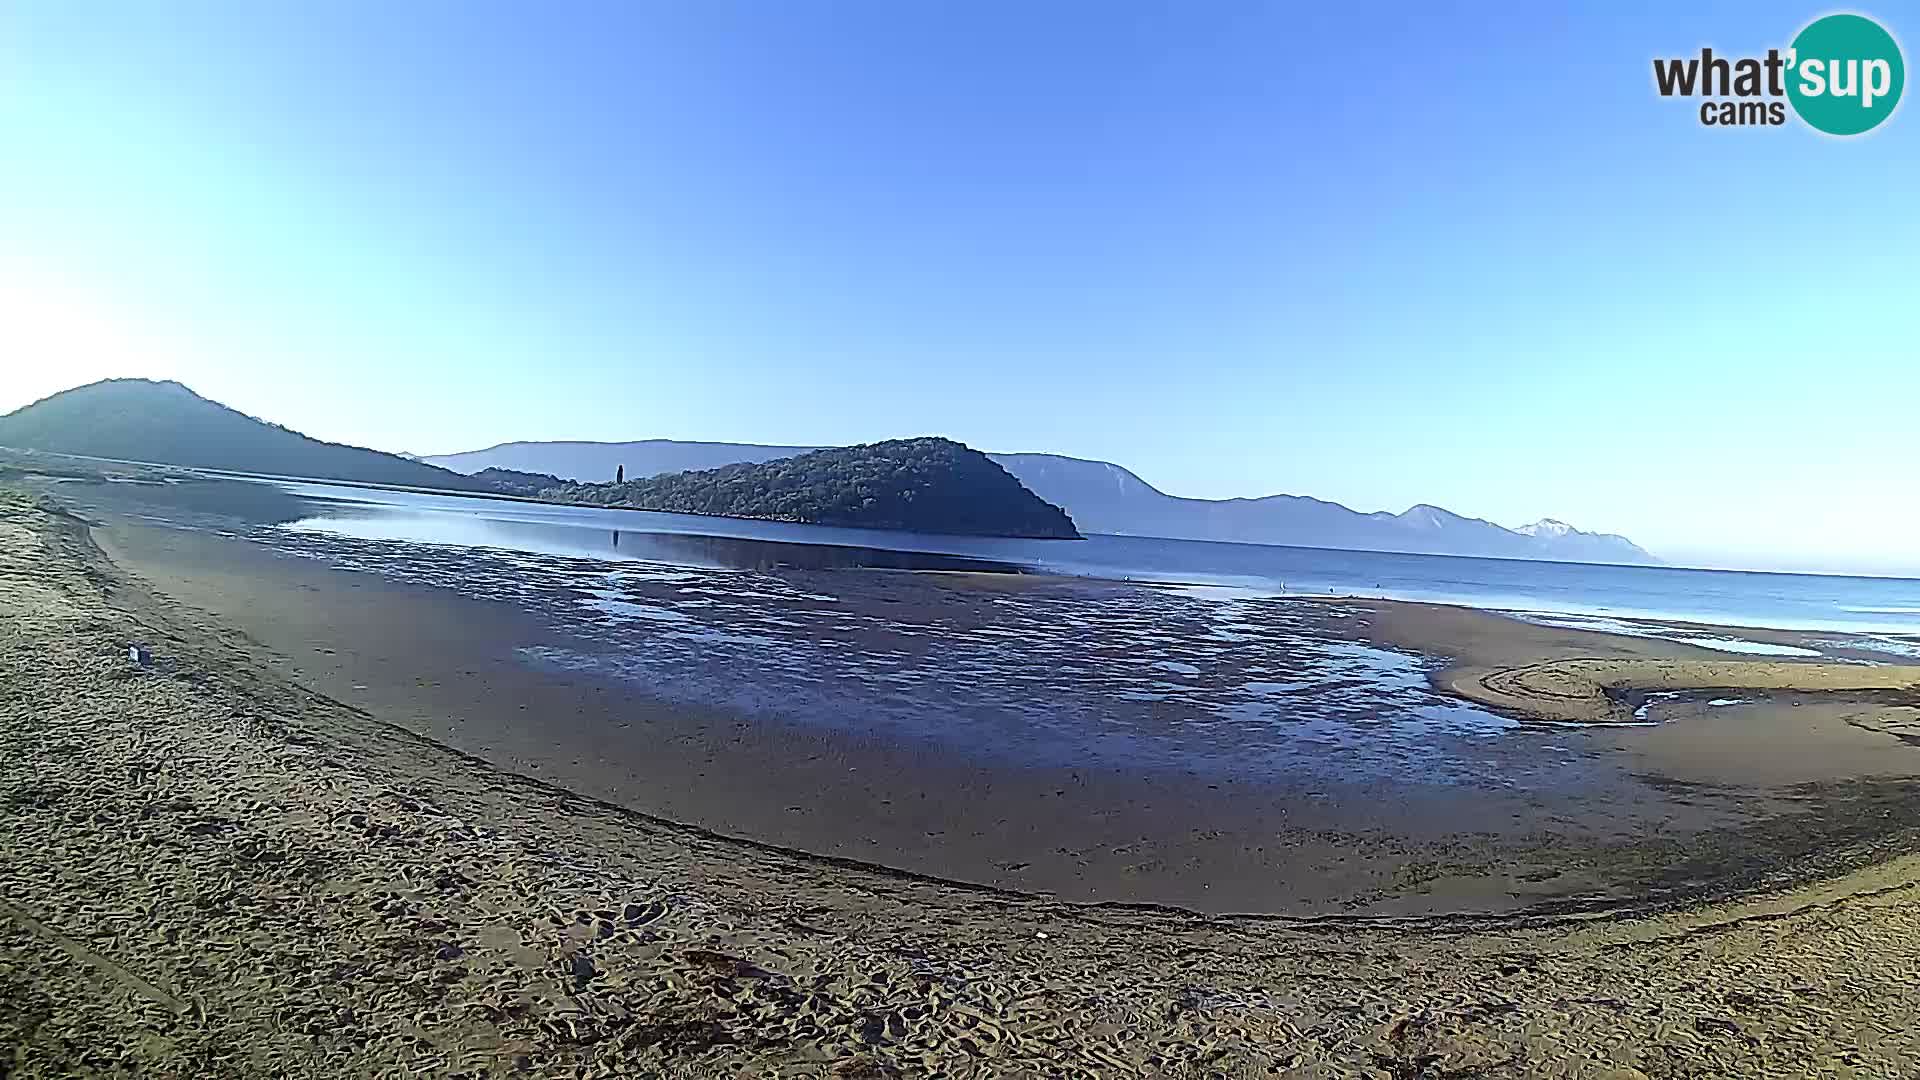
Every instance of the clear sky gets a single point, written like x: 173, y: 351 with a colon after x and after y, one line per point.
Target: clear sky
x: 1382, y: 255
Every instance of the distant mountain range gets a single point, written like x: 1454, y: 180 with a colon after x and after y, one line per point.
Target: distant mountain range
x: 1105, y: 498
x: 166, y: 423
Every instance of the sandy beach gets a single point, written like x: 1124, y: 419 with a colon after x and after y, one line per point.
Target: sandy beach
x: 890, y: 540
x: 1530, y: 823
x: 242, y: 861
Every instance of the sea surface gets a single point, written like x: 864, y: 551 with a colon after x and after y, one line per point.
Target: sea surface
x: 1576, y: 594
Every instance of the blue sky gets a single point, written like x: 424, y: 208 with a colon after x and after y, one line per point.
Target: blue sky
x: 1378, y: 255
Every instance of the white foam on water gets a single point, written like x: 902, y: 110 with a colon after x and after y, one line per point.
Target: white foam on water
x: 1905, y: 648
x: 1608, y: 625
x: 1741, y: 645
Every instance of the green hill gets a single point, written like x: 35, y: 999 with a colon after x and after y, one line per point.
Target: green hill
x: 924, y: 485
x: 516, y: 482
x: 168, y: 424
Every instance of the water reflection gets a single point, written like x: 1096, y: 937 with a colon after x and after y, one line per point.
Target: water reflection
x: 1668, y: 594
x: 1609, y: 595
x: 1049, y: 673
x: 587, y: 541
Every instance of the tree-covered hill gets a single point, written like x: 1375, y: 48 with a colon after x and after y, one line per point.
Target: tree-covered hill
x: 924, y: 485
x: 516, y: 482
x: 165, y: 423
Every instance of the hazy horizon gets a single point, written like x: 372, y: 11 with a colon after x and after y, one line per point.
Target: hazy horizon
x: 1154, y: 237
x: 1684, y: 560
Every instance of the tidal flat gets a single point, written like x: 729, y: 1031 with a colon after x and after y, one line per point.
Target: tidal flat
x: 344, y: 821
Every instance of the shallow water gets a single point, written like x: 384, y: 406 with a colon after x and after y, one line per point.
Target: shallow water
x: 1216, y: 675
x: 1053, y: 675
x: 1687, y: 635
x: 1886, y: 606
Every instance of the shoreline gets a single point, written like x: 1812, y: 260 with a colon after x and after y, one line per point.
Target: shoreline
x: 478, y: 924
x: 208, y: 473
x: 1518, y: 613
x: 453, y: 670
x: 565, y: 794
x: 445, y: 667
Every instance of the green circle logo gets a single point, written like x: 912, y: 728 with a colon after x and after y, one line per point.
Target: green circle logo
x: 1845, y: 74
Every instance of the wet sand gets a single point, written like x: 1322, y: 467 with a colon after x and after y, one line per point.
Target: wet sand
x: 1070, y: 761
x: 1614, y: 691
x: 212, y: 869
x: 448, y: 668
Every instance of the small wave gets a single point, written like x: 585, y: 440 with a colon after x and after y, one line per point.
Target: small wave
x: 1869, y: 610
x: 1741, y: 645
x: 1605, y: 625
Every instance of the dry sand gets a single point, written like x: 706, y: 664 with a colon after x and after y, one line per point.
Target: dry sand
x: 210, y: 870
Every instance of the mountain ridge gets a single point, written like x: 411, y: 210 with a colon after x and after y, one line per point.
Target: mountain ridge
x: 926, y: 484
x: 164, y: 422
x: 579, y: 459
x: 167, y: 423
x: 1105, y: 497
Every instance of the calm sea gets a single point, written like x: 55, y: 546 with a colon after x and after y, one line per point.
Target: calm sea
x: 1591, y: 594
